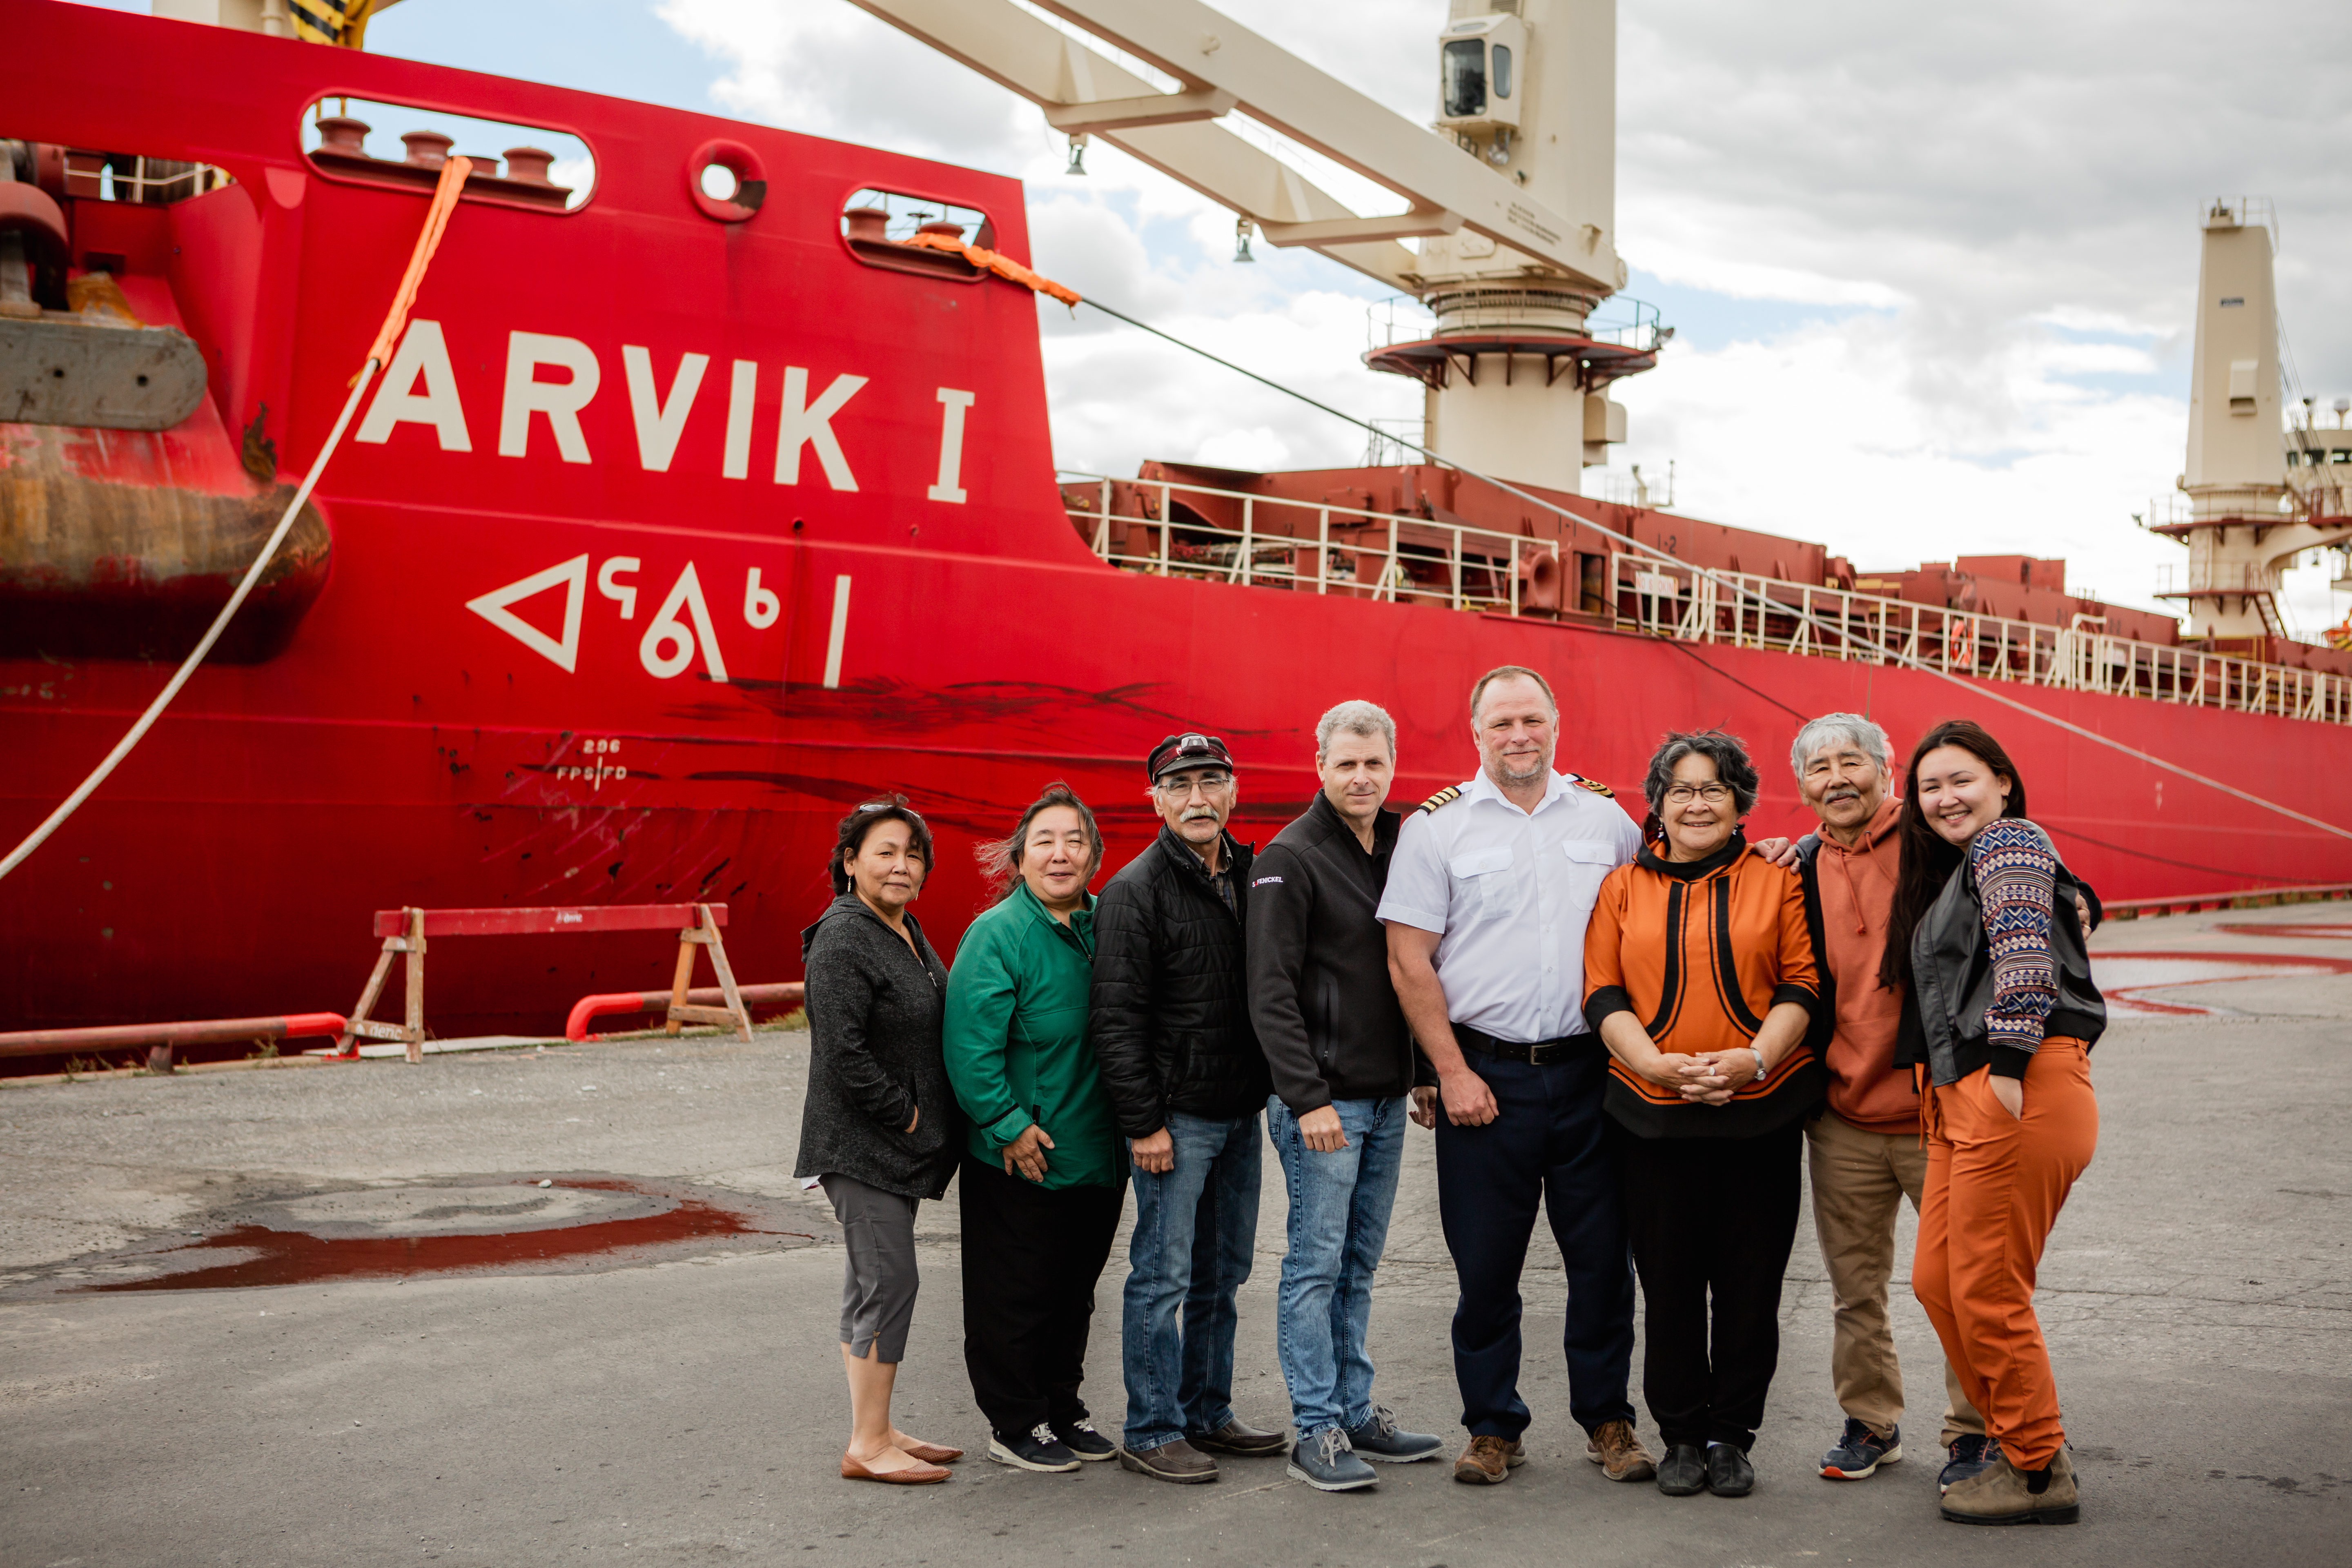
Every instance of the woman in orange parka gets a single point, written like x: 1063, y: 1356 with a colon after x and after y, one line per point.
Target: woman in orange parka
x: 1700, y: 979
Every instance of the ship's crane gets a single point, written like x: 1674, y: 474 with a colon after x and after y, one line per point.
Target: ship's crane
x: 1511, y: 192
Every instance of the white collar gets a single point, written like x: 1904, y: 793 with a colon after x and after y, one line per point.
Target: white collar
x: 1483, y: 787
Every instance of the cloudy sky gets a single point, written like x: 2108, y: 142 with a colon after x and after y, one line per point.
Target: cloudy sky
x: 1932, y: 268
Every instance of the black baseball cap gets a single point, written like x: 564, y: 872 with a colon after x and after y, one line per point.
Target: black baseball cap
x: 1190, y: 750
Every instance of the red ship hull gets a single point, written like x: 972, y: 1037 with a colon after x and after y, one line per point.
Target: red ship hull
x: 402, y: 748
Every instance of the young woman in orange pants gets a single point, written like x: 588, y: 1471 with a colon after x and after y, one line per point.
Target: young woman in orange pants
x: 2002, y: 1019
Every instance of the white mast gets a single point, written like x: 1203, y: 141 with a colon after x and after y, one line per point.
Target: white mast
x: 2245, y: 524
x: 1519, y: 387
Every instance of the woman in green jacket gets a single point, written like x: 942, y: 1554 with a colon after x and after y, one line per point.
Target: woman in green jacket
x: 1042, y: 1182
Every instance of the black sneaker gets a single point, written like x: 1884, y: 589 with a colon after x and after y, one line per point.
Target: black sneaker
x: 1861, y: 1451
x: 1728, y: 1472
x: 1682, y: 1472
x: 1080, y: 1437
x: 1036, y: 1450
x: 1968, y: 1456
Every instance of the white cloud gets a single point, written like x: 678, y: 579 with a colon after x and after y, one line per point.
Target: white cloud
x: 1993, y: 206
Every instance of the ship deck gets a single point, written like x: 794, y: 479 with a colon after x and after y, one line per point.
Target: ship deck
x: 681, y: 1400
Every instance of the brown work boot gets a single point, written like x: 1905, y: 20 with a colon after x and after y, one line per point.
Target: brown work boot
x: 1489, y: 1461
x: 1178, y: 1461
x: 2002, y: 1494
x: 1620, y: 1454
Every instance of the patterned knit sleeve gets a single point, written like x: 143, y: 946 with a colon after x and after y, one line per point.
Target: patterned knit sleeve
x: 2016, y: 873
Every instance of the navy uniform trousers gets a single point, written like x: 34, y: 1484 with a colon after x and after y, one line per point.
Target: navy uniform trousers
x: 1551, y: 1143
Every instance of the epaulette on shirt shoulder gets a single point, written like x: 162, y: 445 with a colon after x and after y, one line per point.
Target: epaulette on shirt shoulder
x: 1446, y: 796
x: 1602, y: 790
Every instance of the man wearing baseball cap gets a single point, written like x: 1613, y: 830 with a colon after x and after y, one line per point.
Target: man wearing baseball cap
x: 1171, y: 1026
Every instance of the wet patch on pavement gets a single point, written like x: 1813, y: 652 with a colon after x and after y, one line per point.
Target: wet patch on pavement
x: 572, y: 1223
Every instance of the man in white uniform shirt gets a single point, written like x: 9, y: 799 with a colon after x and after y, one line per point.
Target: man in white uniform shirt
x: 1488, y: 893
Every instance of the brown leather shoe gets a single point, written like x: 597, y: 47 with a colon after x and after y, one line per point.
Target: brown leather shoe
x: 1489, y: 1461
x: 1178, y: 1461
x: 912, y: 1476
x: 930, y: 1453
x: 1617, y: 1452
x: 1241, y: 1440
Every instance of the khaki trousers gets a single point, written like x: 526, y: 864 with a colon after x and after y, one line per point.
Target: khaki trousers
x: 1860, y: 1179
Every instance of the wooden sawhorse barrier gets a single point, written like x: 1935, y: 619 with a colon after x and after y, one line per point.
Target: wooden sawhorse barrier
x: 406, y: 931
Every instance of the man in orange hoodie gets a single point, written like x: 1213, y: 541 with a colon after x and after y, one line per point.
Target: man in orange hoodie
x: 1865, y: 1147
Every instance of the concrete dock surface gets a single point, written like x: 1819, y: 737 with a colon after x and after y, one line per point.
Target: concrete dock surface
x: 677, y: 1397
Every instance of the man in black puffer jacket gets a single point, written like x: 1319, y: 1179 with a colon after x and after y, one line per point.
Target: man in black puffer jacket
x: 1171, y: 1026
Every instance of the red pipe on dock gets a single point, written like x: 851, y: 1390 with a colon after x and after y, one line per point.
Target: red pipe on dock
x: 575, y: 1027
x: 162, y: 1037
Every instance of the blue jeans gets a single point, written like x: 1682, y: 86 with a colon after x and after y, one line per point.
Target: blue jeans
x: 1340, y: 1205
x: 1195, y: 1228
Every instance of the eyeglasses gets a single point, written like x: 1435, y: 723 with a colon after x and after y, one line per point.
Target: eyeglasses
x: 1180, y: 784
x: 1683, y: 793
x: 889, y: 805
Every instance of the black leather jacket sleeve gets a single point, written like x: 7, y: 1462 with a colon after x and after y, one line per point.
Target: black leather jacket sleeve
x: 1122, y: 1007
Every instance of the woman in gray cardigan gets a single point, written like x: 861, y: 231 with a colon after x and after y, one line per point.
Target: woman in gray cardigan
x: 879, y: 1130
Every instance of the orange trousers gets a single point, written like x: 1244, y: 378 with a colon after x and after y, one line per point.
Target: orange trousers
x: 1995, y: 1184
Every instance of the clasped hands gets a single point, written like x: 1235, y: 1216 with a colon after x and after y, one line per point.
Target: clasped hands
x: 1703, y: 1078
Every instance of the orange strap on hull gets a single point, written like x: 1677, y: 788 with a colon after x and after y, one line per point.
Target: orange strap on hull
x: 1002, y: 266
x: 436, y: 218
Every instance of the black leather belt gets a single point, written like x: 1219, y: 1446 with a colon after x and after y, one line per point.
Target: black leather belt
x: 1543, y: 1053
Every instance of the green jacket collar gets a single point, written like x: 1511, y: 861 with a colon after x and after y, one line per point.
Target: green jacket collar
x: 1082, y: 919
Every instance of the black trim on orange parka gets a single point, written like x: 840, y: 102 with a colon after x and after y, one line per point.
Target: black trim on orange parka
x: 1700, y: 951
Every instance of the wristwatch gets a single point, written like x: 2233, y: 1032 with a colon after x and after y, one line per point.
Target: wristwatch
x: 1760, y: 1064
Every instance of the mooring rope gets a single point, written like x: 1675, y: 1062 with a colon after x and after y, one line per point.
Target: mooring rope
x: 437, y: 219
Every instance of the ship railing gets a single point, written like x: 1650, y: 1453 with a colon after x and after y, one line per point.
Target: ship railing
x: 1743, y: 610
x: 2177, y: 579
x: 1174, y: 530
x: 153, y: 181
x: 1407, y: 319
x: 1169, y: 528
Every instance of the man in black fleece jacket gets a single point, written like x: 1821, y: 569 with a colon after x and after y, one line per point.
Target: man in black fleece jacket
x: 1343, y: 1065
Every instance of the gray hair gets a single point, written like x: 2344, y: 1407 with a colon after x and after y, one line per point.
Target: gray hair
x: 1731, y: 766
x: 1355, y: 718
x: 1831, y: 729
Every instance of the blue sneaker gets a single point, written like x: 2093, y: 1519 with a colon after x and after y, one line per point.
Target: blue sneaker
x: 1969, y: 1456
x: 1325, y: 1462
x: 1861, y: 1451
x: 1378, y: 1439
